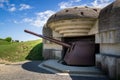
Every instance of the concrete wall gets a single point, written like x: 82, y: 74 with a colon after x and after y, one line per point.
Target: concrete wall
x: 94, y: 29
x: 110, y: 64
x: 110, y: 48
x: 50, y: 49
x: 118, y: 69
x: 108, y: 37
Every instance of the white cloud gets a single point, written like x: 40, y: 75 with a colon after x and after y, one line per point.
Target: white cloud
x: 95, y: 3
x: 14, y: 21
x: 3, y: 0
x: 64, y: 5
x: 12, y: 7
x: 100, y: 3
x: 70, y: 3
x: 40, y: 18
x: 27, y: 20
x: 3, y: 3
x: 24, y: 7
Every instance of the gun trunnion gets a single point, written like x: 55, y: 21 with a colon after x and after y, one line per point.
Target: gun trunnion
x: 79, y: 53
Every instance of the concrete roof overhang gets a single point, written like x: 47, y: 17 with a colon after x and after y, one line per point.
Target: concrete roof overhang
x: 76, y: 21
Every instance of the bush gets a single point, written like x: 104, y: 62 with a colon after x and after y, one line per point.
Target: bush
x: 1, y: 39
x: 16, y: 40
x: 9, y: 39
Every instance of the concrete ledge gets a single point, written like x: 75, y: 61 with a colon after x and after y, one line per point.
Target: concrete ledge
x: 55, y: 67
x: 111, y: 55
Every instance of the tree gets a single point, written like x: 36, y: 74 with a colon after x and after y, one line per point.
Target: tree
x: 1, y: 39
x: 9, y: 39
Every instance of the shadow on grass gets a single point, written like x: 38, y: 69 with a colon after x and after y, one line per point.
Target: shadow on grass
x: 36, y: 53
x: 33, y: 66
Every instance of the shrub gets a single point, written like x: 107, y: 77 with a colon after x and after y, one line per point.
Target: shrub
x: 9, y: 39
x: 16, y: 40
x: 1, y: 39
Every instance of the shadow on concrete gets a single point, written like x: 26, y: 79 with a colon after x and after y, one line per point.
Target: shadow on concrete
x: 88, y: 78
x: 33, y: 67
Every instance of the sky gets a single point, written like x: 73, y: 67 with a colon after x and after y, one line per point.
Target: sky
x: 18, y: 15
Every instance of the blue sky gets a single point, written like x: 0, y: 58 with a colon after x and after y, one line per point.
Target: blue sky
x: 17, y: 15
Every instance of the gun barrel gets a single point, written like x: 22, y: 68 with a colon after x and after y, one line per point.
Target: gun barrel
x: 48, y: 38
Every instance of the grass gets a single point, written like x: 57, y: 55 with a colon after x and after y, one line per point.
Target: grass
x: 2, y: 42
x: 15, y: 52
x: 35, y: 53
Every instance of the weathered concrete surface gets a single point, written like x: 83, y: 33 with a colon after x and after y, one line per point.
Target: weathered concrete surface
x: 110, y: 64
x: 109, y: 38
x: 110, y: 48
x: 58, y: 68
x: 50, y: 49
x: 31, y: 71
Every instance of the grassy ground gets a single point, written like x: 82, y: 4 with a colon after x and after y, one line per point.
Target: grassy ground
x: 14, y: 52
x: 35, y: 53
x: 2, y: 42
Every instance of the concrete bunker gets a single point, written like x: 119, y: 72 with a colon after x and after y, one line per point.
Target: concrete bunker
x: 78, y: 26
x: 81, y: 24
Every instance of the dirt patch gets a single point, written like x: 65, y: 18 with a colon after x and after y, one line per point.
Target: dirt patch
x: 2, y: 61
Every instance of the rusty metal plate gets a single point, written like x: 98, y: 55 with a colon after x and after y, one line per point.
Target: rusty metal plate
x: 81, y: 53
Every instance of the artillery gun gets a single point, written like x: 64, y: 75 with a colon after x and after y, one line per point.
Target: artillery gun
x: 78, y: 53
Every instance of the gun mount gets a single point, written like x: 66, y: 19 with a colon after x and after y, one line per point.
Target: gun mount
x: 79, y: 53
